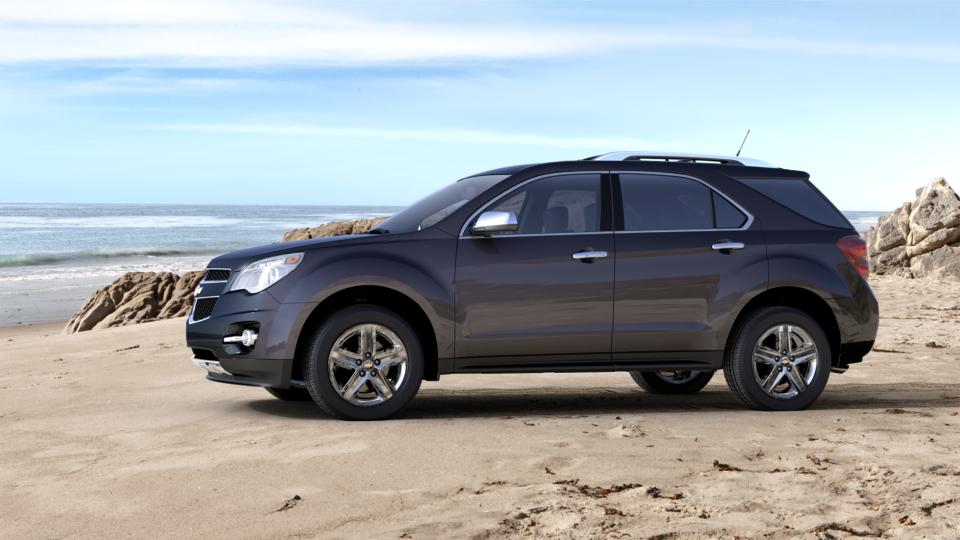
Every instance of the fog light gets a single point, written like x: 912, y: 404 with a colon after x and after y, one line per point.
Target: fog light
x: 248, y: 338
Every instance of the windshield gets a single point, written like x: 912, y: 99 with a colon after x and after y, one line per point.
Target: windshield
x: 439, y: 204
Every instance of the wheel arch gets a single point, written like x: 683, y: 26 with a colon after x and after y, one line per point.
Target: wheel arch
x: 385, y: 297
x: 798, y: 298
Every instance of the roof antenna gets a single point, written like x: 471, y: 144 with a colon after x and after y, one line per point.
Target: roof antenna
x: 743, y: 143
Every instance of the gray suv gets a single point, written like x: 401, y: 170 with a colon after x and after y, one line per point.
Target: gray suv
x: 667, y: 266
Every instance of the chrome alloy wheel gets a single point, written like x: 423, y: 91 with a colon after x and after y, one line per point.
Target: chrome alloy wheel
x: 677, y: 376
x: 367, y: 364
x: 785, y: 361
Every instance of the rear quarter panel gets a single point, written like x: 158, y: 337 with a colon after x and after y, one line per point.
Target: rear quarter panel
x: 812, y: 261
x: 804, y: 254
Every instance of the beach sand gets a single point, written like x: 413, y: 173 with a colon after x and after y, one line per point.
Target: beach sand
x: 114, y: 433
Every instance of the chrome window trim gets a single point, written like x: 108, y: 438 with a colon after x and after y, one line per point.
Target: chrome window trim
x: 206, y: 270
x: 466, y: 224
x: 190, y: 319
x: 737, y: 205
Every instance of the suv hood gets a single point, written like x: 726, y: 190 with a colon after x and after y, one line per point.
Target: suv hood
x: 236, y: 259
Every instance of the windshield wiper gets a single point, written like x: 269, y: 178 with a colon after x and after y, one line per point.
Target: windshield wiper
x: 378, y: 230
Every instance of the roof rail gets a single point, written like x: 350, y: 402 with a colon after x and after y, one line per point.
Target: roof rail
x: 672, y: 157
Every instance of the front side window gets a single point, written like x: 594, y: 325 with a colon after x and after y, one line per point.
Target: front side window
x: 555, y: 205
x: 669, y: 203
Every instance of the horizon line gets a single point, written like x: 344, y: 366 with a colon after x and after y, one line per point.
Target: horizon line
x: 398, y: 206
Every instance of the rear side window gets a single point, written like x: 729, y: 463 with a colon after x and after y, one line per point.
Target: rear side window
x: 669, y: 203
x: 800, y: 196
x: 727, y: 215
x: 664, y: 203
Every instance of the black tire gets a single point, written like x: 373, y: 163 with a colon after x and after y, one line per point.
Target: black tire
x: 738, y: 364
x: 655, y: 384
x: 290, y: 394
x: 317, y: 376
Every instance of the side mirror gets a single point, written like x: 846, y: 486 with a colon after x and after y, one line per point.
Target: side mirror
x: 493, y: 222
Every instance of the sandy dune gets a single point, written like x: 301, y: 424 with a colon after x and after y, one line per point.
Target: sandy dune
x: 114, y: 433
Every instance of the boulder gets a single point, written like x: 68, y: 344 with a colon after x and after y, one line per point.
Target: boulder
x: 888, y: 260
x: 136, y: 297
x: 940, y: 263
x: 892, y: 230
x: 921, y: 238
x: 334, y: 228
x: 936, y: 239
x: 937, y: 207
x: 180, y: 301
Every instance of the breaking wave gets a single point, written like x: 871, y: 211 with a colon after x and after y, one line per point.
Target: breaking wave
x: 12, y: 261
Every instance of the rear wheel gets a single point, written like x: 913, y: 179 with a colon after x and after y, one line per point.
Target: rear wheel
x: 672, y: 381
x: 779, y: 360
x: 363, y: 363
x: 290, y: 394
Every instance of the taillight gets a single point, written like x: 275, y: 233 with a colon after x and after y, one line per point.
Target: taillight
x: 855, y: 250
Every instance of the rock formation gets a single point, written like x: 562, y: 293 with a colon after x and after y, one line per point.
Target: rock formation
x: 137, y: 297
x: 334, y: 228
x: 921, y: 238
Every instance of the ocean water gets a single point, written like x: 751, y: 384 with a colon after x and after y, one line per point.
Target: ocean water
x: 48, y: 234
x: 53, y: 255
x: 863, y: 220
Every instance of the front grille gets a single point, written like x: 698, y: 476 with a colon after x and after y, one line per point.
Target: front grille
x: 203, y: 308
x: 217, y: 274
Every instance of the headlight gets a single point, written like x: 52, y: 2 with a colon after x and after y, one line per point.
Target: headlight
x: 261, y: 274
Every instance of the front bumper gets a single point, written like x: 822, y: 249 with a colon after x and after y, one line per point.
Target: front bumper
x: 250, y: 372
x: 269, y: 362
x: 210, y: 366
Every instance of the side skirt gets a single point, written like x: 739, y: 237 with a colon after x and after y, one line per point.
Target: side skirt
x: 562, y: 363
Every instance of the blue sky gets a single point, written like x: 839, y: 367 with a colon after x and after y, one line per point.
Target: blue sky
x: 380, y: 103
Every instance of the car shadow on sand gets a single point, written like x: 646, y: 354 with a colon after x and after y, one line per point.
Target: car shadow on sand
x: 459, y: 403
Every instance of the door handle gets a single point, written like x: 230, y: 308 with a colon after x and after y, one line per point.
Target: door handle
x: 728, y: 246
x: 589, y: 256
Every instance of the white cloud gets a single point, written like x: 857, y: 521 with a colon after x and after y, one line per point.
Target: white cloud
x: 219, y: 33
x: 165, y: 13
x: 215, y: 33
x: 132, y: 83
x: 431, y: 135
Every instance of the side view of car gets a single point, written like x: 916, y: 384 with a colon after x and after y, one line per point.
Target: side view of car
x: 668, y: 266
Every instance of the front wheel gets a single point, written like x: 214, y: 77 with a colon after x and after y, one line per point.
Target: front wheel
x: 779, y: 360
x: 363, y: 363
x: 672, y: 381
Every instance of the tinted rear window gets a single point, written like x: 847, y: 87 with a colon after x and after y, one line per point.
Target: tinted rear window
x: 665, y: 203
x: 670, y: 203
x: 800, y: 196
